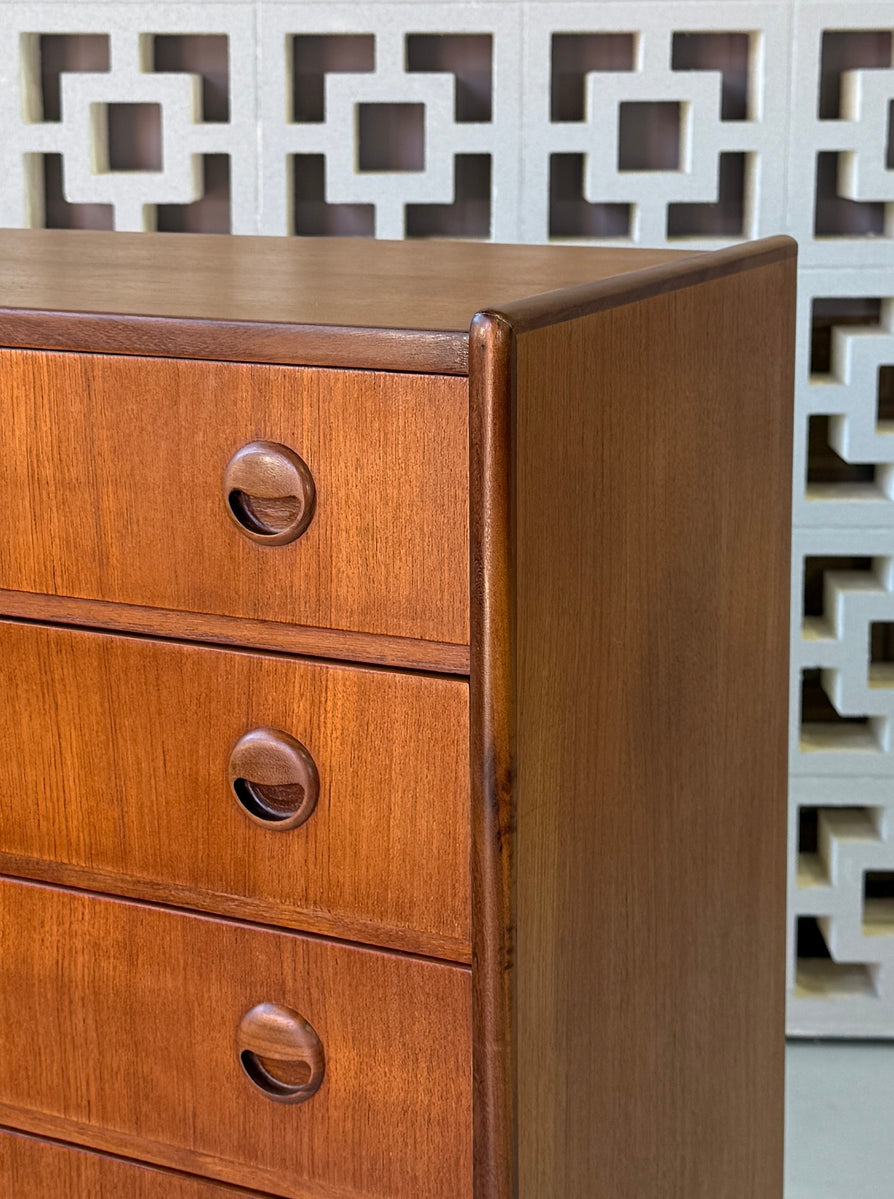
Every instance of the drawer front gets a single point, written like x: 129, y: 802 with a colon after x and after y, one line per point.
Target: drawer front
x: 120, y: 750
x: 32, y: 1168
x: 126, y: 1027
x: 113, y: 474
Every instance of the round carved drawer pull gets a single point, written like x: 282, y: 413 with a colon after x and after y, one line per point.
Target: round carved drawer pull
x: 269, y: 492
x: 280, y: 1053
x: 274, y: 778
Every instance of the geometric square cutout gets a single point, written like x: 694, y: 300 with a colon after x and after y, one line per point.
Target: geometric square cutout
x: 391, y: 137
x: 649, y: 135
x: 134, y: 137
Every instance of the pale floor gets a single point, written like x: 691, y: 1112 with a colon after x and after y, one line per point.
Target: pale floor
x: 839, y: 1136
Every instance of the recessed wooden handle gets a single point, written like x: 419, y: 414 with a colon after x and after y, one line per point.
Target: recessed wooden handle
x: 280, y: 1053
x: 269, y: 492
x: 274, y: 778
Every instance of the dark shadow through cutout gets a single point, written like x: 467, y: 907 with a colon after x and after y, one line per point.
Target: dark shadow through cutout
x: 63, y: 52
x: 808, y: 830
x: 848, y: 50
x: 312, y: 216
x: 726, y: 217
x: 817, y: 708
x: 810, y: 942
x: 572, y: 56
x: 885, y: 406
x: 316, y: 55
x: 881, y: 641
x: 878, y: 903
x: 470, y: 213
x: 649, y: 135
x: 570, y: 215
x: 830, y: 312
x: 59, y: 213
x: 815, y: 569
x: 202, y: 54
x: 881, y: 654
x: 134, y: 133
x: 815, y: 825
x: 878, y: 884
x: 728, y: 53
x: 211, y: 213
x: 809, y: 821
x: 837, y: 216
x: 827, y: 467
x: 390, y: 137
x: 467, y: 56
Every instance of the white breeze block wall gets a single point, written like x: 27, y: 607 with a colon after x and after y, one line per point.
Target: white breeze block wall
x: 634, y: 123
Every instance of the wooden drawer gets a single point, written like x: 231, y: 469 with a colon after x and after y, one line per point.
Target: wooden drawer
x: 113, y: 467
x: 119, y: 751
x: 119, y: 1028
x: 34, y: 1168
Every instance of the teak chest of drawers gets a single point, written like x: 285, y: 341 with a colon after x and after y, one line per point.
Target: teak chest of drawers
x: 393, y: 651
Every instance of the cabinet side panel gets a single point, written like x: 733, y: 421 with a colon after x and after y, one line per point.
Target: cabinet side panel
x: 653, y: 504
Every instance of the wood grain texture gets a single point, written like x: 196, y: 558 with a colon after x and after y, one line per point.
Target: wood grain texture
x: 336, y: 644
x: 121, y: 748
x: 36, y: 1168
x: 652, y: 517
x: 117, y: 1026
x: 316, y: 301
x: 112, y: 470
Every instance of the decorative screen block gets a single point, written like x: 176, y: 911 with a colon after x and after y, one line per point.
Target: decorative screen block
x: 654, y: 123
x: 124, y: 117
x: 841, y: 201
x: 399, y: 123
x: 844, y: 432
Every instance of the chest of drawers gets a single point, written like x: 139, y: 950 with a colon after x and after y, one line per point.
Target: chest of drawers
x: 393, y: 653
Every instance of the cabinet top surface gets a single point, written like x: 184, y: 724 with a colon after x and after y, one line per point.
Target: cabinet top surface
x: 344, y: 282
x: 420, y: 292
x: 348, y: 302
